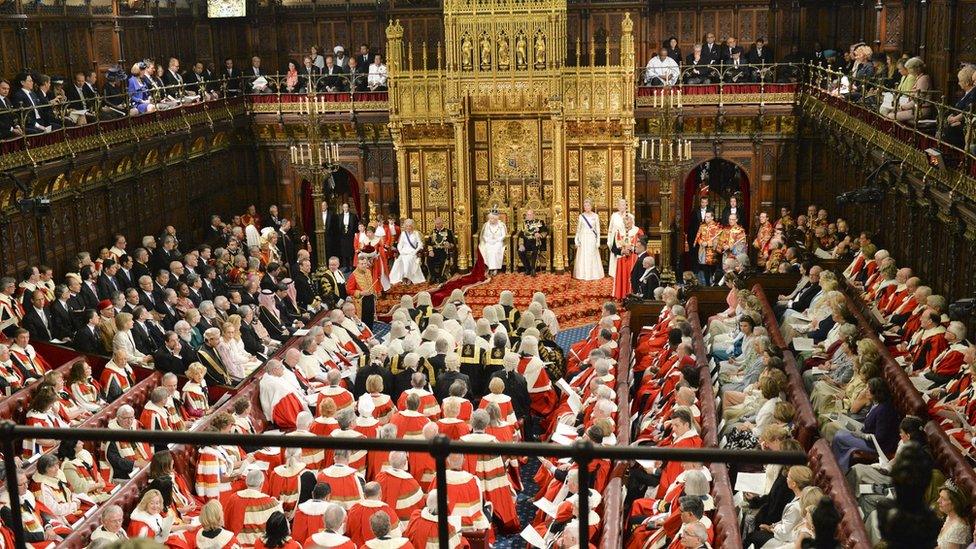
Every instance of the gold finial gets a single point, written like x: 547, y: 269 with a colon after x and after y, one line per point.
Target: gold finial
x: 592, y: 52
x: 409, y: 56
x: 579, y: 46
x: 423, y: 55
x: 627, y: 25
x: 440, y: 59
x: 607, y: 51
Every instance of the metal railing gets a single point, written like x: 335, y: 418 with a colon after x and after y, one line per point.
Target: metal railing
x: 922, y: 116
x: 440, y: 447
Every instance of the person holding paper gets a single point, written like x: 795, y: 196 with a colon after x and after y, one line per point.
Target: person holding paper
x: 881, y: 422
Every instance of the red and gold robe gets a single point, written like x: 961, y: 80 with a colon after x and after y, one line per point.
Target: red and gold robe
x: 246, y: 513
x: 357, y: 520
x: 422, y: 532
x: 400, y: 491
x: 625, y: 242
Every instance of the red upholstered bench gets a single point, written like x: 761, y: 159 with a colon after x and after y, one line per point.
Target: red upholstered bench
x: 949, y: 460
x: 807, y: 430
x: 828, y: 476
x: 127, y: 497
x: 726, y: 518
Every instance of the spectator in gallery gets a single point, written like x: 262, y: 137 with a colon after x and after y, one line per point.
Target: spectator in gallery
x: 661, y: 70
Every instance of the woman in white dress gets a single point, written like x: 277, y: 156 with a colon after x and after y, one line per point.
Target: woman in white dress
x: 492, y: 245
x: 589, y: 265
x: 407, y: 264
x: 616, y: 226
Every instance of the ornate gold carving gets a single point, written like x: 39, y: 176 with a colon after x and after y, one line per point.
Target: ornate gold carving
x: 485, y: 57
x: 617, y: 166
x: 573, y: 164
x: 595, y: 170
x: 467, y: 52
x: 515, y: 147
x: 521, y: 59
x: 414, y: 167
x: 547, y: 165
x: 547, y: 130
x: 481, y: 131
x: 481, y: 165
x: 436, y: 179
x: 504, y: 52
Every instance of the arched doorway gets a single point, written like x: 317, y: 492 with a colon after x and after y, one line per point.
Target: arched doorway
x: 720, y: 180
x: 342, y: 187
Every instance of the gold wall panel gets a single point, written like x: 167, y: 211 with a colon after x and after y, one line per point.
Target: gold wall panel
x: 481, y: 131
x: 436, y: 180
x: 618, y: 166
x: 414, y: 166
x: 515, y: 149
x: 547, y: 162
x: 481, y: 165
x: 574, y: 168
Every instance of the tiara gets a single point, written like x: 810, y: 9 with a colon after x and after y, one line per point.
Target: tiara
x: 951, y: 486
x: 494, y: 209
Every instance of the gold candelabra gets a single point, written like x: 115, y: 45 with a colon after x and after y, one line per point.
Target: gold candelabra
x: 668, y: 155
x: 317, y: 160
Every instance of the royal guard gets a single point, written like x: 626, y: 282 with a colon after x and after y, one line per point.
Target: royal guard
x: 764, y: 233
x: 709, y: 246
x: 733, y: 240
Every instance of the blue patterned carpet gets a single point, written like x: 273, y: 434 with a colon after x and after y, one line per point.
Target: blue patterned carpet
x: 380, y: 329
x: 526, y: 511
x: 566, y: 338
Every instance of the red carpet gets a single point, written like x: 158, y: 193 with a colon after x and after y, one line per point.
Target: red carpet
x: 575, y: 302
x: 438, y: 293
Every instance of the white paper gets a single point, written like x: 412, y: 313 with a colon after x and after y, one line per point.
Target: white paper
x: 800, y: 318
x: 563, y: 439
x: 300, y: 333
x: 258, y: 465
x: 803, y: 344
x: 546, y: 506
x: 574, y: 401
x: 648, y: 464
x: 882, y: 458
x: 532, y: 537
x: 921, y: 383
x: 566, y: 430
x: 753, y: 483
x: 816, y: 371
x: 865, y: 489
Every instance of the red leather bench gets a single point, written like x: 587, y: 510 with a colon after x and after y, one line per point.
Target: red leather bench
x: 949, y: 460
x: 807, y: 430
x: 726, y: 518
x: 769, y: 318
x: 127, y: 497
x: 14, y: 407
x: 828, y: 476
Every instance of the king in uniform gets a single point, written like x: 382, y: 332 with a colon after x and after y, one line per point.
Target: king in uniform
x: 531, y: 241
x: 440, y: 248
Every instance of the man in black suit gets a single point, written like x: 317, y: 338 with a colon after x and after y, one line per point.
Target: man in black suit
x: 696, y: 69
x: 107, y: 284
x: 164, y: 254
x: 160, y: 284
x: 123, y: 275
x: 452, y: 374
x: 331, y: 232
x: 641, y: 250
x: 63, y: 323
x: 348, y: 225
x: 309, y: 76
x: 140, y: 265
x: 736, y: 71
x: 332, y: 74
x: 759, y: 54
x: 286, y: 243
x: 270, y: 279
x: 43, y: 94
x: 252, y: 83
x: 648, y: 280
x: 167, y: 308
x: 86, y: 339
x: 363, y: 59
x: 725, y: 54
x: 80, y: 96
x: 140, y: 331
x: 9, y: 122
x: 147, y: 295
x: 37, y: 320
x: 515, y: 386
x: 711, y: 51
x: 800, y: 302
x: 231, y: 77
x: 169, y: 357
x: 89, y: 290
x: 25, y: 98
x: 304, y: 291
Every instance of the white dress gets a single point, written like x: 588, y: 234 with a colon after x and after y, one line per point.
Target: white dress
x: 616, y: 226
x: 589, y: 265
x: 407, y: 264
x: 492, y: 245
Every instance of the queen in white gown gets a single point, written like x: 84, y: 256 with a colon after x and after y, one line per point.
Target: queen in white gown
x: 407, y: 264
x: 616, y: 226
x: 492, y: 244
x: 589, y: 265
